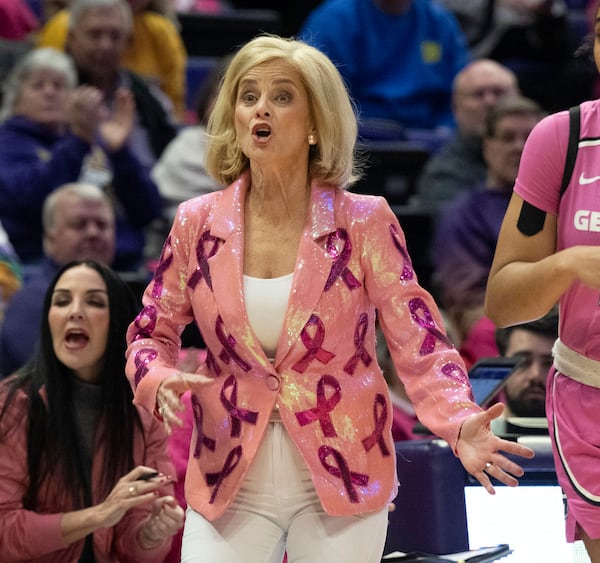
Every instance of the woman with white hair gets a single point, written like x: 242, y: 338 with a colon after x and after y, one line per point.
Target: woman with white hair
x: 52, y: 132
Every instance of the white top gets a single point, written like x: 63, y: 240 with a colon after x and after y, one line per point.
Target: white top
x: 266, y: 304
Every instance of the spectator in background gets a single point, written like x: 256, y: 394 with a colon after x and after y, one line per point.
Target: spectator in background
x: 153, y: 48
x: 74, y: 449
x: 397, y: 57
x: 531, y: 343
x: 41, y: 142
x: 54, y: 133
x: 78, y: 221
x: 504, y: 30
x: 459, y: 165
x: 99, y: 32
x: 536, y: 38
x: 465, y: 237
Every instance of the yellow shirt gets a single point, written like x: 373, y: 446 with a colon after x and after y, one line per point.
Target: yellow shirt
x: 155, y: 51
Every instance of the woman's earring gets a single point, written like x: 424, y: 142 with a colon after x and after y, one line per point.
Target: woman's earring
x: 312, y: 139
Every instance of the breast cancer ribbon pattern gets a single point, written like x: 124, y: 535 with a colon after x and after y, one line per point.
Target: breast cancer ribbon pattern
x: 328, y: 388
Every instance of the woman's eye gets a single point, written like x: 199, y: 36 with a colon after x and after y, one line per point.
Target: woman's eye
x: 248, y: 97
x: 60, y: 302
x: 283, y: 97
x: 98, y: 303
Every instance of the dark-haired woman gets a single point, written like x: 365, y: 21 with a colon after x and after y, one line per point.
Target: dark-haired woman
x: 84, y: 475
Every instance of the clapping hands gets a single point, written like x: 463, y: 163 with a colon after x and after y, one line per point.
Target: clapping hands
x: 91, y: 120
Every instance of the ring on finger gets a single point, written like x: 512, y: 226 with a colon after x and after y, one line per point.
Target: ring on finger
x: 488, y: 466
x: 133, y: 489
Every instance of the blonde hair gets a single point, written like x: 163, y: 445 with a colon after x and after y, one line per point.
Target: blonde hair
x: 332, y: 160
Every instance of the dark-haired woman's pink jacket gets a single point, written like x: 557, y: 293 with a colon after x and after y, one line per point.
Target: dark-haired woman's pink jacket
x: 35, y: 536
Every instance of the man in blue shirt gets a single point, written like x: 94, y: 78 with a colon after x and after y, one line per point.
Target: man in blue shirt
x: 398, y: 58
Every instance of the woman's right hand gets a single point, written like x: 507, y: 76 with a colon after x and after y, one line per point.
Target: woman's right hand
x: 129, y: 492
x: 168, y: 397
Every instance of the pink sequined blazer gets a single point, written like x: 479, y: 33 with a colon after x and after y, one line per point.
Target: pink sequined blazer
x: 330, y: 392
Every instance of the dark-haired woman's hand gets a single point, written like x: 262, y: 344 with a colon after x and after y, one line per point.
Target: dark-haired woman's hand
x: 166, y: 519
x: 133, y: 489
x: 130, y: 491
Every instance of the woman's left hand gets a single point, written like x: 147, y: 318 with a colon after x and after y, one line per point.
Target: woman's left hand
x: 479, y: 450
x: 168, y: 396
x: 166, y: 519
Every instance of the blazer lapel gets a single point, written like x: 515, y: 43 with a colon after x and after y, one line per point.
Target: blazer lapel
x: 313, y: 265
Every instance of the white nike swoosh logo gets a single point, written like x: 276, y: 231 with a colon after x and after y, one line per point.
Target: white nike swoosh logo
x: 584, y: 181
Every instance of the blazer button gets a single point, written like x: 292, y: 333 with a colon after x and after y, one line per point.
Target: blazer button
x: 273, y: 382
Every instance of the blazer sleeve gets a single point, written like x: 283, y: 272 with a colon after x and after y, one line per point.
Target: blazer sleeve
x: 154, y: 337
x: 425, y: 359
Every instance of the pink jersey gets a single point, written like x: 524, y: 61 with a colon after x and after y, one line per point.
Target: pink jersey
x: 538, y: 182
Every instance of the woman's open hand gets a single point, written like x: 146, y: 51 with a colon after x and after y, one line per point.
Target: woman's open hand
x: 479, y: 450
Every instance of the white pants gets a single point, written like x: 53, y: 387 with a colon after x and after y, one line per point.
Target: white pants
x: 277, y: 510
